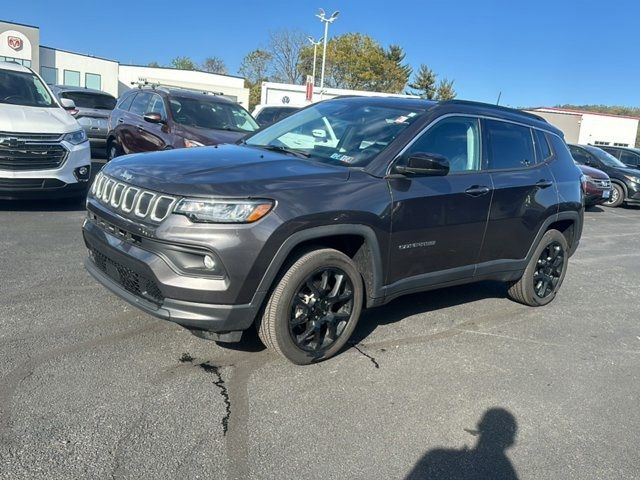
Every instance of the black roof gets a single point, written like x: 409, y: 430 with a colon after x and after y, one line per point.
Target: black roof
x: 458, y: 106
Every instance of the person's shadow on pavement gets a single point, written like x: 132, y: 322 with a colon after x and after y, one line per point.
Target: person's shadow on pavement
x: 488, y: 460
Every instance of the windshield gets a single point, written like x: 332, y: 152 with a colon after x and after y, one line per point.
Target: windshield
x: 195, y: 112
x: 90, y: 100
x: 24, y: 88
x: 338, y: 132
x: 607, y: 158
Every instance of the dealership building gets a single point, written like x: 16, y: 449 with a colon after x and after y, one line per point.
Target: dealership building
x: 592, y: 128
x: 21, y: 44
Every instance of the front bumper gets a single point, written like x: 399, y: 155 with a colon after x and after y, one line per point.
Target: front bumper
x: 146, y: 280
x: 60, y: 182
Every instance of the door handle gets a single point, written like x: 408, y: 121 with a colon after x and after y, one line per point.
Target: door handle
x: 544, y: 183
x: 121, y: 120
x: 477, y: 191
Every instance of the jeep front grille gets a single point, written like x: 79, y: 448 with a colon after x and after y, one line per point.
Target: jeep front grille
x: 130, y: 201
x: 30, y: 151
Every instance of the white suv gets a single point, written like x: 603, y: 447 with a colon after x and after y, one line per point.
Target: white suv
x: 44, y: 152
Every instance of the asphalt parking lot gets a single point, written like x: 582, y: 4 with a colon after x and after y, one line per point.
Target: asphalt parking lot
x: 92, y: 388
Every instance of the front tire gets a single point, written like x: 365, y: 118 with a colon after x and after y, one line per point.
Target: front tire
x: 544, y: 273
x: 314, y: 308
x: 113, y: 150
x: 617, y: 196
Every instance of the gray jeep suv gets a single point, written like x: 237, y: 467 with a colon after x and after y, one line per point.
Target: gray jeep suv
x: 344, y: 205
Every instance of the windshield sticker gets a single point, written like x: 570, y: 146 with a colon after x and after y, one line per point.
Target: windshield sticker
x: 401, y: 119
x: 342, y: 158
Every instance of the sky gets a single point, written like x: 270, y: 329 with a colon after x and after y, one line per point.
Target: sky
x: 537, y: 53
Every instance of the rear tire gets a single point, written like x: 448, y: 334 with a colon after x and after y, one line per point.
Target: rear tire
x: 314, y: 308
x: 544, y: 273
x: 617, y: 196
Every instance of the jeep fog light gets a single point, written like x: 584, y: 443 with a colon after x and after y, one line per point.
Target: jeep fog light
x: 209, y: 263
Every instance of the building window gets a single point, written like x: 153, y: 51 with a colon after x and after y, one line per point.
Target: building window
x: 19, y: 61
x: 599, y: 142
x: 620, y: 144
x: 93, y: 80
x: 71, y: 78
x: 49, y: 75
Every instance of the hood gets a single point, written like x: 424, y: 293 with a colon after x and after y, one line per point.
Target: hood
x: 21, y: 119
x: 593, y: 172
x: 226, y: 170
x: 209, y: 136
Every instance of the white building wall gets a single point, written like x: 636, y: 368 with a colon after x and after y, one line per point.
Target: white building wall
x: 608, y: 129
x: 61, y: 60
x: 287, y: 94
x: 227, y: 85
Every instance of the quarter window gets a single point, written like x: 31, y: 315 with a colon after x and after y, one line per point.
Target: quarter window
x: 456, y: 138
x: 542, y: 146
x: 71, y: 78
x: 510, y: 145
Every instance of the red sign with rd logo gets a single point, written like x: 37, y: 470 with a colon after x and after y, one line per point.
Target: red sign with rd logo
x: 15, y: 43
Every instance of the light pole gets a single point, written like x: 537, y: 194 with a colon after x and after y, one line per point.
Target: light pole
x: 323, y: 18
x: 315, y: 44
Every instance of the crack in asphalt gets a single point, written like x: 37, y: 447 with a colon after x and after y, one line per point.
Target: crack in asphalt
x: 373, y: 360
x: 218, y: 382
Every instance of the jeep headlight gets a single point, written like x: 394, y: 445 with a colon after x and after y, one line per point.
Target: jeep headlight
x: 76, y: 138
x: 223, y: 211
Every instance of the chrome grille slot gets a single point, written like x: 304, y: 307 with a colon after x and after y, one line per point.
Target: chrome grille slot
x: 129, y: 199
x: 116, y: 196
x: 106, y: 190
x: 144, y: 203
x: 161, y: 208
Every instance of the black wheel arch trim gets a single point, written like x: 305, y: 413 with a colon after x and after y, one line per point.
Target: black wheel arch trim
x: 375, y: 290
x: 560, y: 216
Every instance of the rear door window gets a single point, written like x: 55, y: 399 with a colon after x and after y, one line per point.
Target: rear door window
x: 125, y: 101
x: 510, y: 145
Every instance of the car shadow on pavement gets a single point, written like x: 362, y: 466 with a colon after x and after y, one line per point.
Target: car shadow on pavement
x: 595, y: 208
x: 487, y: 460
x: 425, y: 302
x: 61, y: 205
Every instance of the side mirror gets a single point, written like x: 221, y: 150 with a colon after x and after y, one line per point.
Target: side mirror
x: 424, y: 164
x: 69, y: 105
x: 153, y: 117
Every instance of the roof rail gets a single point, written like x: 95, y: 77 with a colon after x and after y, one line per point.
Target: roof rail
x: 498, y: 107
x: 143, y: 82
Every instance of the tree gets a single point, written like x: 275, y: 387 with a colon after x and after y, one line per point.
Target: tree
x: 396, y: 54
x: 285, y: 47
x: 153, y: 64
x: 424, y: 83
x: 255, y: 68
x: 183, y: 63
x: 445, y: 90
x: 357, y: 61
x: 214, y: 65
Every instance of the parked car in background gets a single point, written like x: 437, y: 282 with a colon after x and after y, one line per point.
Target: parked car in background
x: 625, y: 181
x: 297, y: 236
x: 161, y: 118
x: 92, y: 110
x: 44, y: 152
x: 267, y: 114
x: 627, y: 155
x: 597, y: 186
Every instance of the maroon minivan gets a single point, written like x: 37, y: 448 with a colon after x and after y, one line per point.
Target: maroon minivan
x: 160, y: 118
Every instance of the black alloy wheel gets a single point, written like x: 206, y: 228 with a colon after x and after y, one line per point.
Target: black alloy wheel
x: 321, y: 309
x: 549, y: 269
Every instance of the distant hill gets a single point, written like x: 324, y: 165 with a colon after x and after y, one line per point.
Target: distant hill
x: 615, y: 110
